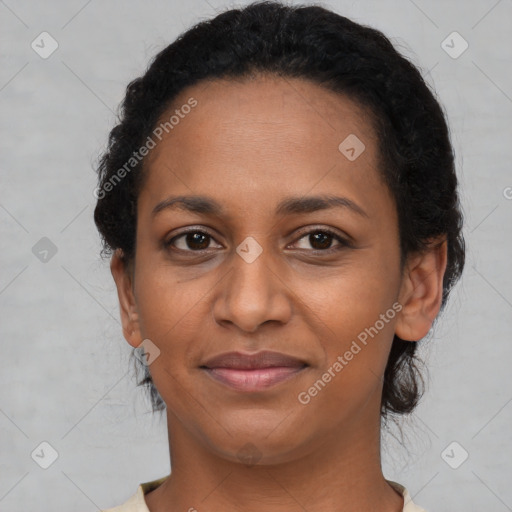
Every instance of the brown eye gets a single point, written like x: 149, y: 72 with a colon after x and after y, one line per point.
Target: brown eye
x: 322, y: 240
x: 191, y: 241
x: 197, y: 240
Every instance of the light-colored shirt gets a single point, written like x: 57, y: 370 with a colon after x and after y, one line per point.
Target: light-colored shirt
x: 137, y: 503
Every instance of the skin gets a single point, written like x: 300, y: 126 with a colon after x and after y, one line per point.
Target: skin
x: 248, y: 145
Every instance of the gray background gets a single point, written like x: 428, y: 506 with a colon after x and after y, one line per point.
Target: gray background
x: 65, y: 372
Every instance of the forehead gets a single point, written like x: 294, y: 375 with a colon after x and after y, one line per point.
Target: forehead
x: 262, y: 136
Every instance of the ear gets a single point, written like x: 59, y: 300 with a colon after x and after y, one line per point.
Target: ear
x: 123, y: 277
x: 421, y: 291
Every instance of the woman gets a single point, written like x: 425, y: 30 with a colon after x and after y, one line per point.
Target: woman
x: 279, y: 202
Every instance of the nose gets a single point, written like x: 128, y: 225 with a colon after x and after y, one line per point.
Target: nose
x: 253, y: 293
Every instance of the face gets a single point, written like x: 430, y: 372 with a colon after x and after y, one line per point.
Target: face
x: 273, y: 288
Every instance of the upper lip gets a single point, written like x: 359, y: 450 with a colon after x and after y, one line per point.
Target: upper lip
x: 263, y: 359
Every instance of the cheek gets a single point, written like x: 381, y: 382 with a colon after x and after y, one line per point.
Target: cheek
x: 173, y: 317
x: 353, y: 297
x: 358, y: 328
x: 356, y: 310
x: 172, y: 314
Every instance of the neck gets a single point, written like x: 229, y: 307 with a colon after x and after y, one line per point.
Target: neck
x: 340, y: 472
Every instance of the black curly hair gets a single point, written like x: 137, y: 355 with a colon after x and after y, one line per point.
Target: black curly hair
x: 313, y: 43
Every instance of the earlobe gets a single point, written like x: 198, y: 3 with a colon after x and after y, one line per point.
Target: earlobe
x: 422, y: 291
x: 127, y: 306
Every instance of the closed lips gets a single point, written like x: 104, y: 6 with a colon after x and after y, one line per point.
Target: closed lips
x: 252, y: 372
x: 264, y: 359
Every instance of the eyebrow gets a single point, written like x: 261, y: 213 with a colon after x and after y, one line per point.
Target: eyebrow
x: 289, y: 206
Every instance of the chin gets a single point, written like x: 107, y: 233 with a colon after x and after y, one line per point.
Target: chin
x: 259, y: 443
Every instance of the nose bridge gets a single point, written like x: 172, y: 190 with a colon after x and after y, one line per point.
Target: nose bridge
x: 253, y: 292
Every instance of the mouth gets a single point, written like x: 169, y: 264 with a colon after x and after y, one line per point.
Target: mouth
x: 253, y: 372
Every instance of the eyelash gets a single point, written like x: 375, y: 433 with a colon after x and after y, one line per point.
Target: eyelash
x: 343, y: 243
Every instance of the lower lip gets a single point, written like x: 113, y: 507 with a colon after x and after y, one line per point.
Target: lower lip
x: 253, y: 380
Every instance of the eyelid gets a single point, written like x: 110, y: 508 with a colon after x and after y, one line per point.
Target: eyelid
x: 190, y: 229
x: 343, y: 239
